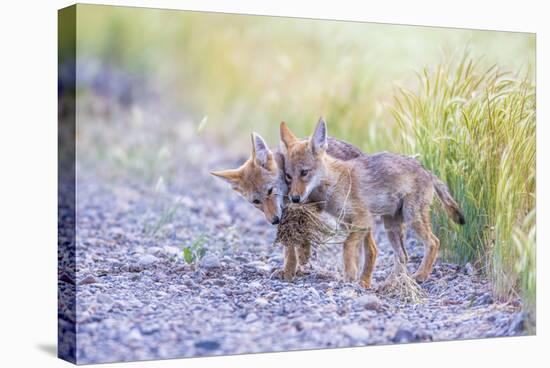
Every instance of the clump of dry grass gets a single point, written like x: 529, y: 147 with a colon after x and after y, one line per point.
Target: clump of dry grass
x: 301, y: 223
x: 400, y: 285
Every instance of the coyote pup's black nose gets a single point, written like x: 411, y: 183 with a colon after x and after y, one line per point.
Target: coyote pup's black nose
x: 275, y: 220
x: 295, y: 198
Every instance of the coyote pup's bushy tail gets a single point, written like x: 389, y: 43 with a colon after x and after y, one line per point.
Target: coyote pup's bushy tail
x: 444, y: 195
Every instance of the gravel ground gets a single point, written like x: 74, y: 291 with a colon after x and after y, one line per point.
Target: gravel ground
x: 138, y: 299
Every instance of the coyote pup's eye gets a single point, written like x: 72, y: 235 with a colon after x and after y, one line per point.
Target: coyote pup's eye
x: 256, y: 201
x: 304, y: 172
x: 270, y: 191
x: 288, y: 177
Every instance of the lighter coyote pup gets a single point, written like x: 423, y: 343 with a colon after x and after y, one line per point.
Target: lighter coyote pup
x: 392, y: 186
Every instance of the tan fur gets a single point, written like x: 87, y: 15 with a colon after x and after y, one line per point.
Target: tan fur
x: 393, y: 186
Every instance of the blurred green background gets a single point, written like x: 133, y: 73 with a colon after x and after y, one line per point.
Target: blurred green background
x: 462, y: 100
x: 251, y: 72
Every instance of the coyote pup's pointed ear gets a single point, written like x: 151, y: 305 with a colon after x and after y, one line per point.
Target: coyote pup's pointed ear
x: 287, y: 137
x: 233, y: 176
x: 261, y: 153
x: 319, y: 140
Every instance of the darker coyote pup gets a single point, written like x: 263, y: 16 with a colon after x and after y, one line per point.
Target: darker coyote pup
x: 393, y: 186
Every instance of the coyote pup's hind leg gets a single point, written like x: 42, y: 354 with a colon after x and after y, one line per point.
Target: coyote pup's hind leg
x: 395, y: 230
x: 369, y: 246
x: 423, y: 229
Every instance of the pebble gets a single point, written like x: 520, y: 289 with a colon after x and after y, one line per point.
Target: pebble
x: 255, y: 285
x: 207, y: 345
x: 469, y: 269
x: 356, y: 332
x: 210, y: 261
x: 259, y: 266
x: 149, y: 328
x: 368, y: 301
x: 147, y: 260
x: 403, y: 335
x: 348, y: 293
x: 251, y: 317
x: 154, y: 250
x: 88, y: 279
x: 104, y: 299
x: 261, y: 301
x: 134, y: 334
x: 172, y: 251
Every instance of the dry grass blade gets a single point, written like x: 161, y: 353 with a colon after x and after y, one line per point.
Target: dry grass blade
x: 400, y: 285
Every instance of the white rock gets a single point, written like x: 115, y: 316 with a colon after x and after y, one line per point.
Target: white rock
x: 261, y: 301
x: 147, y: 260
x: 255, y: 285
x: 210, y: 261
x: 348, y: 293
x: 368, y: 301
x: 356, y: 332
x: 104, y: 299
x: 259, y: 266
x: 134, y: 334
x: 154, y: 250
x: 251, y: 317
x: 172, y: 251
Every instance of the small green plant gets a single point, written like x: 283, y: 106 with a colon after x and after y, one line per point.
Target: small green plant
x: 194, y: 252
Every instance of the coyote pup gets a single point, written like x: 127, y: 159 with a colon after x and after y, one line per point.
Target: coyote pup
x: 261, y: 181
x: 393, y: 186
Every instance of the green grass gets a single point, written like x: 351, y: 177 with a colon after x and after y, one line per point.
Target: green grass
x: 196, y: 250
x: 475, y: 128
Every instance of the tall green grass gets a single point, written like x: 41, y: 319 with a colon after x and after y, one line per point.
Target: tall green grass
x: 475, y: 128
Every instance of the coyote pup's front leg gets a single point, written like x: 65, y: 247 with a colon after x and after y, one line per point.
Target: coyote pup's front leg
x: 289, y: 268
x: 303, y: 252
x: 370, y: 260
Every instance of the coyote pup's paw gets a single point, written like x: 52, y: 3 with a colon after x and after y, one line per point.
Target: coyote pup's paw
x: 420, y: 277
x: 304, y: 270
x: 365, y: 283
x: 277, y: 274
x: 350, y: 274
x: 282, y: 275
